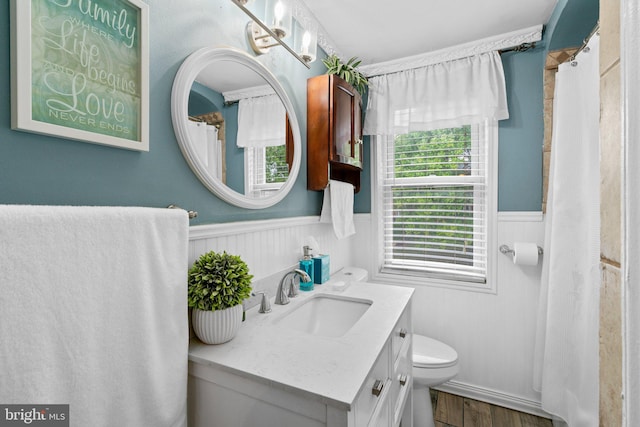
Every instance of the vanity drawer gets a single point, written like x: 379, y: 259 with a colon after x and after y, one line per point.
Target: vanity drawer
x: 401, y: 333
x: 375, y: 391
x: 402, y: 381
x: 380, y: 417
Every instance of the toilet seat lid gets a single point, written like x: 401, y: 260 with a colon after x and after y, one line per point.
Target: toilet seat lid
x: 430, y: 353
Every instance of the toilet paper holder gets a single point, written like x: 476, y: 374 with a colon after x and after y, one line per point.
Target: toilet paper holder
x: 505, y: 249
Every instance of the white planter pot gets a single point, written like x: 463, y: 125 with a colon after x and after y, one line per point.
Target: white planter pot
x: 216, y: 327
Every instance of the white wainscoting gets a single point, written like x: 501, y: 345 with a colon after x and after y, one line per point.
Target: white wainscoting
x: 492, y: 333
x: 271, y: 246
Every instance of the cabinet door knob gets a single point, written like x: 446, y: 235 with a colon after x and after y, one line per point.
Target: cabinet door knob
x: 377, y: 388
x: 403, y: 380
x: 403, y: 332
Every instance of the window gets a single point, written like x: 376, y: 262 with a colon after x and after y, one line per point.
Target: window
x: 436, y: 204
x: 267, y: 169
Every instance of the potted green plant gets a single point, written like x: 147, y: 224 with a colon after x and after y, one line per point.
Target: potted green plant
x: 218, y: 283
x: 347, y: 71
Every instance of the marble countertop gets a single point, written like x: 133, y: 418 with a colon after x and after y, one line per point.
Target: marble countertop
x: 332, y: 369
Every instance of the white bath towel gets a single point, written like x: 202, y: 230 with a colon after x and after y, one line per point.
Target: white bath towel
x: 93, y: 312
x: 337, y: 208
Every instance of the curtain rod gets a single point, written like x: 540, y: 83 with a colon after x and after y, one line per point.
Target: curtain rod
x: 523, y: 47
x: 207, y: 122
x: 452, y: 53
x: 586, y: 41
x: 520, y: 48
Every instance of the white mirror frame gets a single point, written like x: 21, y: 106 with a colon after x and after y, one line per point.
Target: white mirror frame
x: 189, y: 70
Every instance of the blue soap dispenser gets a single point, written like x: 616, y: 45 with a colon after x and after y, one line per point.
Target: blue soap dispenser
x: 306, y: 265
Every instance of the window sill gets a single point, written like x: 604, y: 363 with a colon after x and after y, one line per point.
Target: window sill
x: 415, y: 281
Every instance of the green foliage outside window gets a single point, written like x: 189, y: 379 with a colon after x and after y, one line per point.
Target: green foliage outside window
x: 276, y: 167
x: 433, y: 221
x: 440, y: 152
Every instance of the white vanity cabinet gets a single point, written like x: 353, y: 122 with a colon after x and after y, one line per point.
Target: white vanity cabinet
x: 402, y: 358
x: 384, y: 399
x: 362, y: 379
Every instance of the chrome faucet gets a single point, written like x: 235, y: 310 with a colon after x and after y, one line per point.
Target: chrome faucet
x: 265, y: 305
x: 282, y: 296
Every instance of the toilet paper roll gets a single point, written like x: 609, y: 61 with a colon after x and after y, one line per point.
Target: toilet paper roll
x: 525, y: 253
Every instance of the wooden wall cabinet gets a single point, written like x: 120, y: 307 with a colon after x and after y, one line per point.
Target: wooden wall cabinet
x: 334, y: 132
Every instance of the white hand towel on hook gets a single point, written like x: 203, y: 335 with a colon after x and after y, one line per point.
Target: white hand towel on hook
x: 337, y: 208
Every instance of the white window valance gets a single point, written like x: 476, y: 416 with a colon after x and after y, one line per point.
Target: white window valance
x: 465, y: 91
x: 262, y: 122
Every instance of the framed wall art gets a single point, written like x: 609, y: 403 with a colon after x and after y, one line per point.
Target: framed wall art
x: 80, y: 70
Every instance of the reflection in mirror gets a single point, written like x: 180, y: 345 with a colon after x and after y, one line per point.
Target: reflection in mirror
x: 207, y: 130
x: 239, y: 132
x: 246, y: 128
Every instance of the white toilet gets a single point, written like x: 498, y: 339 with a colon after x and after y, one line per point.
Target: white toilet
x: 433, y: 361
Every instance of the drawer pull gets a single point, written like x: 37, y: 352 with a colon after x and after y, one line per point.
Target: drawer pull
x: 403, y: 380
x: 403, y: 332
x: 377, y: 388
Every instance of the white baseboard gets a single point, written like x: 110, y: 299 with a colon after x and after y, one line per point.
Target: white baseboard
x: 494, y: 397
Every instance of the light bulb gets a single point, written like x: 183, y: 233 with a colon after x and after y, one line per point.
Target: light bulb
x: 279, y: 25
x: 306, y: 41
x: 278, y: 12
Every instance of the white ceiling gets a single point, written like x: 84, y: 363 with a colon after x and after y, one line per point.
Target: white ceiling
x: 382, y: 30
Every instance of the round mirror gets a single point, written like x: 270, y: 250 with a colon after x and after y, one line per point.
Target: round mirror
x: 236, y: 127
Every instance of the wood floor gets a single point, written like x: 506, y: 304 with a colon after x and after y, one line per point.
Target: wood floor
x: 455, y: 411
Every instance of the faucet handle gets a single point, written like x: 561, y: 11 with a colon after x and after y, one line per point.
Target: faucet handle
x: 281, y: 295
x: 293, y: 289
x: 265, y: 305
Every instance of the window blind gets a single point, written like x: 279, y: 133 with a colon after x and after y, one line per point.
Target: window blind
x: 434, y: 203
x: 267, y: 169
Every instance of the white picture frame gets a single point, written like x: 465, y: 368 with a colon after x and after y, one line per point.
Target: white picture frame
x: 80, y: 70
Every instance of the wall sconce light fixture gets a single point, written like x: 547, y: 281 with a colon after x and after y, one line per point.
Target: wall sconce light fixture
x: 277, y: 24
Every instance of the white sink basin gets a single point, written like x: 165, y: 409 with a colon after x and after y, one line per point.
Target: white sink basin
x: 326, y: 315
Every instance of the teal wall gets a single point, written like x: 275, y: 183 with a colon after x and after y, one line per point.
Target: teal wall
x: 37, y: 169
x: 572, y: 22
x: 521, y: 136
x: 203, y: 100
x: 40, y: 169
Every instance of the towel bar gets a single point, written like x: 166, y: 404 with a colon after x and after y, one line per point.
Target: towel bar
x: 192, y: 214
